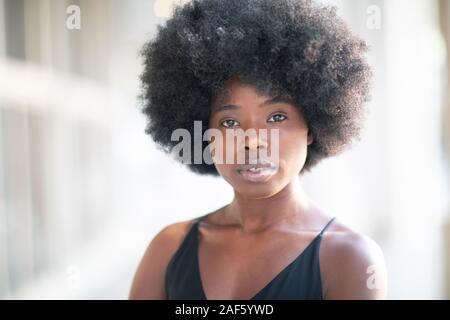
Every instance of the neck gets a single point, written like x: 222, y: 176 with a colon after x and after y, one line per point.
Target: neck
x: 255, y: 215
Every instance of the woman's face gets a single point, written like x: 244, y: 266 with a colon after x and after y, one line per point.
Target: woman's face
x: 241, y: 109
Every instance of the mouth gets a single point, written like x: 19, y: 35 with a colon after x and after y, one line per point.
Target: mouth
x: 259, y: 172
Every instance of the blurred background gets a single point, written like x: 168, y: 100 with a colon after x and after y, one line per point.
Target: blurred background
x: 83, y: 190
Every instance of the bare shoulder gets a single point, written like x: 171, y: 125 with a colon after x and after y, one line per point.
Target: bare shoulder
x: 148, y: 282
x: 352, y: 265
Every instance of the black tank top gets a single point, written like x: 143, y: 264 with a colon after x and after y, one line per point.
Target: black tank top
x: 297, y: 281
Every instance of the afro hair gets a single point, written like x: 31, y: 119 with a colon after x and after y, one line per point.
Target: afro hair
x: 295, y: 48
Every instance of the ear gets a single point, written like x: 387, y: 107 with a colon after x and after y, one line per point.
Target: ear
x: 310, y: 138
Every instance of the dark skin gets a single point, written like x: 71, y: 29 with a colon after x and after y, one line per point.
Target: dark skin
x: 273, y: 219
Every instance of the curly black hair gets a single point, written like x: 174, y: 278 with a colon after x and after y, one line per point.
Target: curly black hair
x: 293, y: 48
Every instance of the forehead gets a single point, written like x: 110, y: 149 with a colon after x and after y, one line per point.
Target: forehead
x: 235, y: 90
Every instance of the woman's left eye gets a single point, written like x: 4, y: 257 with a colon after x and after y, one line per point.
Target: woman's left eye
x: 277, y: 117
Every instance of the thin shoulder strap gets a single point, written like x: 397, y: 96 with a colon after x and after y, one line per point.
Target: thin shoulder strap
x: 193, y: 230
x: 326, y: 226
x: 197, y: 220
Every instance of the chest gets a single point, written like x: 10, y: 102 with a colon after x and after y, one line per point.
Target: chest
x: 235, y: 267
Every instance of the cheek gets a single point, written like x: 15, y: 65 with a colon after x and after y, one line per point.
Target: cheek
x: 224, y: 170
x: 224, y: 156
x: 293, y: 151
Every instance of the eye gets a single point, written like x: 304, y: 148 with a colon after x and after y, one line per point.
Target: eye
x: 228, y: 123
x: 277, y: 118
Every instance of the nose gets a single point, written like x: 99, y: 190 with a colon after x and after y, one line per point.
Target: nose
x: 255, y: 142
x: 249, y: 147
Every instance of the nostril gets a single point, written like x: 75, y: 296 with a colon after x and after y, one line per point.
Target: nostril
x: 248, y: 148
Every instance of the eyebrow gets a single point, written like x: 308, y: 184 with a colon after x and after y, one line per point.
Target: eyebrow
x: 268, y: 102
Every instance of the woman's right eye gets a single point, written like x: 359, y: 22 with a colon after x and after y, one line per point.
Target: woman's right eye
x: 228, y: 123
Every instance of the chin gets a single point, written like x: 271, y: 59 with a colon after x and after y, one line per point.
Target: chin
x: 256, y: 190
x: 256, y: 193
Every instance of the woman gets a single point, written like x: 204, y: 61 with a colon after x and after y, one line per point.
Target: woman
x: 286, y: 66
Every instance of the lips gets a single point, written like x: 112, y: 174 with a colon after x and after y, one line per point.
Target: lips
x: 254, y: 166
x: 261, y: 171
